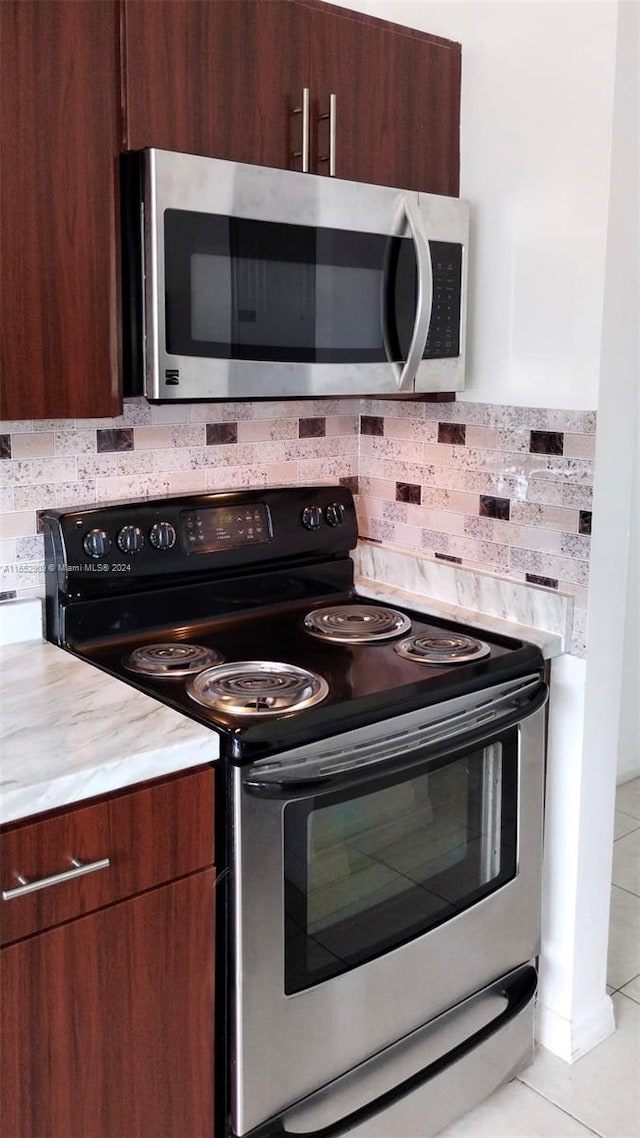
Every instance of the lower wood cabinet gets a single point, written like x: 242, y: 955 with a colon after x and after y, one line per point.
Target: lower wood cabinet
x: 107, y: 1016
x: 107, y: 1021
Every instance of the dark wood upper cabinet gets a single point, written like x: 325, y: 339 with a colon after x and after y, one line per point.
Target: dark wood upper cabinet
x: 397, y: 102
x: 59, y: 142
x: 219, y: 78
x: 223, y: 78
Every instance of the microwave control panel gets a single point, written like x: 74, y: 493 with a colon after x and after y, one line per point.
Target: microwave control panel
x: 443, y: 339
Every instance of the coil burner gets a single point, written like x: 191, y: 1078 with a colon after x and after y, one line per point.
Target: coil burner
x: 356, y: 624
x: 257, y: 687
x: 442, y: 648
x: 171, y: 660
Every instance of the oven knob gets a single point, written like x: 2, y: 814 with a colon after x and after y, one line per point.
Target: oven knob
x: 130, y: 539
x: 162, y: 535
x: 311, y: 517
x: 96, y: 543
x: 334, y: 514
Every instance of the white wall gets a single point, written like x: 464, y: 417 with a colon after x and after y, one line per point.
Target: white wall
x: 615, y: 506
x: 629, y: 738
x: 614, y: 619
x: 537, y: 97
x: 549, y: 160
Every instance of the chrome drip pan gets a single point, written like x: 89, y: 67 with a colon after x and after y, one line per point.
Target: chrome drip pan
x: 356, y: 624
x: 442, y: 648
x: 171, y: 660
x: 257, y: 687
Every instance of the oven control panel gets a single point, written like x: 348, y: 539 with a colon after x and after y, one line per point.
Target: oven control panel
x: 223, y: 527
x: 103, y: 549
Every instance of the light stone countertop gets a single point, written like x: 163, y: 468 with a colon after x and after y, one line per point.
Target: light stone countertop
x: 69, y: 732
x: 486, y: 602
x: 549, y: 643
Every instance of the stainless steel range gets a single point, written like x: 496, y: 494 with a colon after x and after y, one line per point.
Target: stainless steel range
x: 383, y: 775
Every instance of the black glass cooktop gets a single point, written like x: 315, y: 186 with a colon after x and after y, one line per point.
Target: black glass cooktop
x: 366, y: 681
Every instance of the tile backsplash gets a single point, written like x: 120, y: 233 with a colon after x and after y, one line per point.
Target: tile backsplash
x: 164, y: 449
x: 502, y: 489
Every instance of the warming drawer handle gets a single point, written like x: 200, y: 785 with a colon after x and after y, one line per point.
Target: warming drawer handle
x: 79, y: 870
x: 424, y: 299
x: 518, y: 991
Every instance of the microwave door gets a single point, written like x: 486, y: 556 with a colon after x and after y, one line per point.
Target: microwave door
x: 408, y: 217
x: 259, y: 283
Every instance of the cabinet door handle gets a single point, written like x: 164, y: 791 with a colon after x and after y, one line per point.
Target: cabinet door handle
x: 303, y: 110
x: 79, y: 869
x: 331, y: 116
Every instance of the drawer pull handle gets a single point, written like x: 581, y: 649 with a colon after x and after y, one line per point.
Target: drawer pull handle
x: 79, y: 870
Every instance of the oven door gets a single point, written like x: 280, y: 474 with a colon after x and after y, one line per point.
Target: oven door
x: 262, y: 282
x: 380, y: 878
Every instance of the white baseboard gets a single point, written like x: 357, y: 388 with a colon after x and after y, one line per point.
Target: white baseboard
x: 570, y: 1039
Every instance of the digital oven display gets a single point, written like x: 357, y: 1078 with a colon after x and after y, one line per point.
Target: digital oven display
x: 207, y: 531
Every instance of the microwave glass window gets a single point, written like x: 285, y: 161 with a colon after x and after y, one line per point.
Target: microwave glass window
x: 243, y: 289
x: 337, y: 326
x: 369, y: 872
x: 244, y: 303
x: 210, y: 297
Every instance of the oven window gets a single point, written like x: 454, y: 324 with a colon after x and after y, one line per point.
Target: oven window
x: 237, y: 288
x: 370, y: 871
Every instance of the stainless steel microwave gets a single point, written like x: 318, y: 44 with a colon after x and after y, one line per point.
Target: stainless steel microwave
x: 246, y: 282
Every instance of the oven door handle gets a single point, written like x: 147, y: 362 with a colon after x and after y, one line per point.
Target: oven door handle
x: 516, y: 993
x: 447, y: 736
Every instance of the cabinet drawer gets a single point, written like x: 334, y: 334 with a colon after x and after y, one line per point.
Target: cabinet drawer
x: 120, y: 846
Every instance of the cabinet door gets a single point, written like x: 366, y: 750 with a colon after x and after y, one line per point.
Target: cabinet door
x: 219, y: 79
x: 134, y: 831
x: 397, y: 102
x: 107, y: 1021
x: 58, y: 152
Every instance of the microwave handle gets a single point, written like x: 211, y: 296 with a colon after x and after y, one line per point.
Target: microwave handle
x: 415, y: 224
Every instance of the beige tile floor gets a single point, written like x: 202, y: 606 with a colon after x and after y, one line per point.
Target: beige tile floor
x: 600, y: 1094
